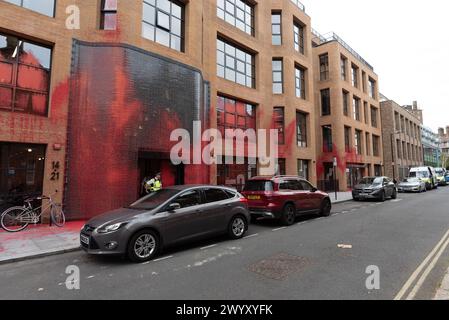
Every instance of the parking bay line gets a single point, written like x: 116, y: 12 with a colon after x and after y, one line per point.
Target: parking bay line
x: 209, y: 247
x: 251, y: 236
x: 164, y: 258
x: 279, y: 229
x: 442, y: 245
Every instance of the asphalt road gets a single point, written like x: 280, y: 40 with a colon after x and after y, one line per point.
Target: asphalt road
x: 299, y: 262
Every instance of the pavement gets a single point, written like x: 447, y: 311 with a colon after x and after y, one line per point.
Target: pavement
x: 38, y: 241
x: 341, y: 197
x: 317, y: 258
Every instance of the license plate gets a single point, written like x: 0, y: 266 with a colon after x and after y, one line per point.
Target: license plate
x: 253, y: 197
x: 84, y: 239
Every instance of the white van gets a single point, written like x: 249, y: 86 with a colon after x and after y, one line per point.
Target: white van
x: 426, y: 174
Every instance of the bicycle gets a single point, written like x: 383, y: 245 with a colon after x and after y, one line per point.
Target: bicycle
x: 16, y: 219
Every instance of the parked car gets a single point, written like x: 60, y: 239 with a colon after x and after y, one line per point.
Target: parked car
x: 379, y: 188
x: 169, y: 216
x: 284, y: 198
x: 447, y: 176
x: 441, y: 176
x: 412, y: 185
x: 427, y: 174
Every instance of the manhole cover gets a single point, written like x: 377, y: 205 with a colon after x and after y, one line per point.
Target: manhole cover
x: 279, y: 266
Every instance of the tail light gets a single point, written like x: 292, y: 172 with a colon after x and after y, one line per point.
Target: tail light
x: 242, y: 199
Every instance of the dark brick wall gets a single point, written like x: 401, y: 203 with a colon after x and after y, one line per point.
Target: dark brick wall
x: 123, y: 100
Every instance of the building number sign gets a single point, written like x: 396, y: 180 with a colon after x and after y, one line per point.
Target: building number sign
x: 55, y: 170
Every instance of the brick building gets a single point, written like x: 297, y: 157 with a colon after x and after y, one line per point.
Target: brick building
x: 348, y: 118
x: 401, y: 131
x: 444, y: 146
x: 89, y: 111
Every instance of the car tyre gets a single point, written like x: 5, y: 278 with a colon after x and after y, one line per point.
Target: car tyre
x: 394, y: 196
x: 143, y: 246
x: 288, y: 215
x: 326, y: 208
x: 237, y: 227
x: 382, y: 196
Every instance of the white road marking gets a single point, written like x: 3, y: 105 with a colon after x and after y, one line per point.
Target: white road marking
x: 251, y: 236
x: 416, y: 273
x: 164, y: 258
x: 345, y: 211
x: 208, y: 247
x: 396, y: 200
x: 90, y: 277
x: 279, y: 229
x: 146, y: 262
x: 426, y: 272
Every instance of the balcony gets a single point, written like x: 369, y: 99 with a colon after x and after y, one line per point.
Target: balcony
x: 299, y: 5
x: 332, y: 36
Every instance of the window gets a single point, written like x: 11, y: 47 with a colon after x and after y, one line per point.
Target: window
x: 238, y: 13
x: 355, y: 76
x: 108, y: 15
x: 346, y: 103
x: 21, y: 169
x: 356, y: 108
x: 365, y: 111
x: 324, y: 67
x: 235, y: 64
x: 325, y: 102
x: 298, y: 34
x: 364, y: 81
x: 347, y: 139
x: 372, y: 88
x: 234, y: 114
x: 374, y: 117
x: 163, y: 22
x: 343, y: 66
x: 279, y: 123
x: 46, y: 7
x: 277, y: 67
x: 25, y: 70
x: 376, y: 146
x: 306, y: 185
x: 276, y: 28
x: 303, y: 169
x: 398, y: 149
x: 404, y: 151
x: 215, y: 195
x: 301, y: 129
x: 358, y: 142
x: 396, y: 122
x: 300, y: 82
x: 327, y: 139
x: 367, y: 144
x: 281, y: 169
x: 189, y: 199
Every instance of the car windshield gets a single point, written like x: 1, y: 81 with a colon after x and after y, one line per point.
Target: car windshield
x: 411, y: 180
x: 439, y: 172
x: 371, y: 181
x: 154, y: 199
x: 258, y: 185
x: 419, y: 174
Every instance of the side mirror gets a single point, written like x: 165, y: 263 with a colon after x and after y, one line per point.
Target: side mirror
x: 314, y: 190
x: 174, y: 206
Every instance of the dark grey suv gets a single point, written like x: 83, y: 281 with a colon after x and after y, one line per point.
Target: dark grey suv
x: 170, y: 216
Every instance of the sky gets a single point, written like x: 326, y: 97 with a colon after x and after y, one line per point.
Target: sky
x: 406, y: 41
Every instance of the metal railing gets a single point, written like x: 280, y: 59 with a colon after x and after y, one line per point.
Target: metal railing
x: 299, y: 5
x: 332, y: 36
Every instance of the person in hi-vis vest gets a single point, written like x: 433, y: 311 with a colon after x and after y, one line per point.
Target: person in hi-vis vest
x: 154, y: 185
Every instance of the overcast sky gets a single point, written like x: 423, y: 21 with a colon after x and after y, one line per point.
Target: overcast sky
x: 406, y: 41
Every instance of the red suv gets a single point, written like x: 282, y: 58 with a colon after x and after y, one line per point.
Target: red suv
x: 284, y: 197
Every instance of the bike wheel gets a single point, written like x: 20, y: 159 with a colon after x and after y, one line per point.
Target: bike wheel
x: 15, y: 219
x: 57, y: 216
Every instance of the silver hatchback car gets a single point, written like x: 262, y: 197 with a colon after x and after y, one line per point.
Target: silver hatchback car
x: 170, y: 216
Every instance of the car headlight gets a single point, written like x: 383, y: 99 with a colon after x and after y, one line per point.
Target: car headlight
x: 112, y: 227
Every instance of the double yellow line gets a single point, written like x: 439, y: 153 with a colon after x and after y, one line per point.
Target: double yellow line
x: 430, y: 261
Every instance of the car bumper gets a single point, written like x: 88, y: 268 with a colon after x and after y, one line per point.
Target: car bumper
x: 366, y: 196
x: 113, y: 243
x: 409, y: 189
x: 263, y: 213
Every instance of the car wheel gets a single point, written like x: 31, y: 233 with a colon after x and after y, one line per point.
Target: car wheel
x: 326, y: 208
x: 382, y: 196
x: 394, y: 195
x: 237, y: 227
x: 143, y: 246
x: 288, y: 215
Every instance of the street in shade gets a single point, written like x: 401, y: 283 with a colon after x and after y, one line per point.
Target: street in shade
x: 262, y: 243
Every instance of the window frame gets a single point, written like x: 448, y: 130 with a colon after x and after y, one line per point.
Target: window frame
x: 301, y: 134
x: 235, y: 16
x: 301, y: 80
x: 278, y: 35
x: 279, y: 123
x: 277, y: 72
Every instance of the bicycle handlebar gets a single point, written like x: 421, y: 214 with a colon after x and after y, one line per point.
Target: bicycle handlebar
x: 43, y: 197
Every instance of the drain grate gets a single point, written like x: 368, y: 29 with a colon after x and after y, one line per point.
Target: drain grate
x: 279, y: 266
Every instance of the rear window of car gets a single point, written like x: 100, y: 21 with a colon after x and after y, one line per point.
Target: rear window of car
x: 258, y: 185
x: 419, y: 174
x: 215, y: 195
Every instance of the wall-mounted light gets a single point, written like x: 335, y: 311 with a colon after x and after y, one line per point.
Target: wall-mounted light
x: 30, y: 150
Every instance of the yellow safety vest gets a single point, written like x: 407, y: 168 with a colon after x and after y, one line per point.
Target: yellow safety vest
x: 157, y: 185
